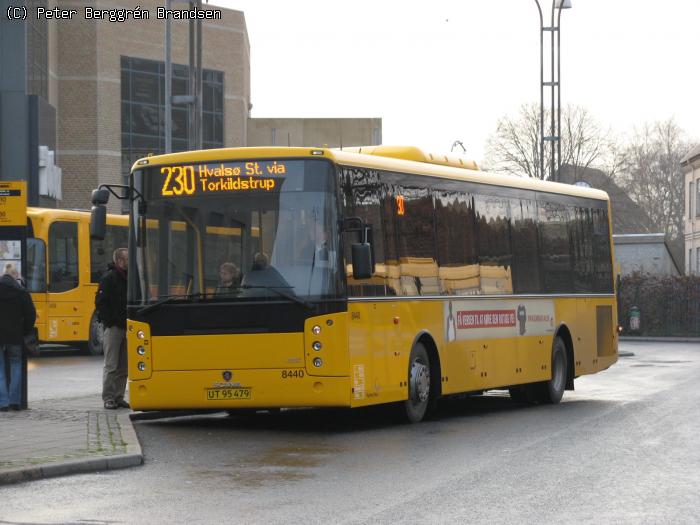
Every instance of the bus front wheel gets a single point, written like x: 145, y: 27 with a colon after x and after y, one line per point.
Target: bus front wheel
x: 416, y: 406
x: 95, y: 340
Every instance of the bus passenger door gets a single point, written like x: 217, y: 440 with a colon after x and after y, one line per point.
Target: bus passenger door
x: 374, y: 360
x: 64, y: 302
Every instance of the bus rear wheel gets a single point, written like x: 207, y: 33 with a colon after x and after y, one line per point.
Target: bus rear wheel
x: 546, y: 392
x: 419, y: 390
x: 553, y: 390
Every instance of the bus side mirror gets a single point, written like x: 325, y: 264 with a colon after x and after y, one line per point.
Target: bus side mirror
x: 98, y: 214
x: 98, y: 222
x: 100, y: 196
x: 361, y: 260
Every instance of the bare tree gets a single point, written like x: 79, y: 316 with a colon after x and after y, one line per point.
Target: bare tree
x: 652, y: 176
x: 515, y: 146
x: 584, y: 145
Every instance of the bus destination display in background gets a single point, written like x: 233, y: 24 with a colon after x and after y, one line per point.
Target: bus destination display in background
x: 203, y: 179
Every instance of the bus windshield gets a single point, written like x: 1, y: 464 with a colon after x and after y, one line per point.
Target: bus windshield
x: 237, y: 231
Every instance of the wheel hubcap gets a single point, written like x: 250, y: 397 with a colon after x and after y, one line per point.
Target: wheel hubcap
x: 420, y: 382
x: 97, y: 333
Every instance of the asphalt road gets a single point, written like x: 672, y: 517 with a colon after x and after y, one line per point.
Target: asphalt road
x: 63, y: 372
x: 622, y: 448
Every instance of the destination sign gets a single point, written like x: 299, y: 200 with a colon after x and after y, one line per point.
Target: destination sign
x: 224, y: 177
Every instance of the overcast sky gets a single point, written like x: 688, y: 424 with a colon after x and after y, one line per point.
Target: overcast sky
x: 444, y: 70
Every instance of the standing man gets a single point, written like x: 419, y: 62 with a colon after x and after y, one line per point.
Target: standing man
x: 17, y: 316
x: 110, y: 302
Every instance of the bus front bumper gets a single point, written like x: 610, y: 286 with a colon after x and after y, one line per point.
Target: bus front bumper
x: 225, y: 390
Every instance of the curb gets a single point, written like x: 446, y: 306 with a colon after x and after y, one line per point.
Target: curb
x: 65, y: 468
x: 642, y: 338
x: 132, y: 458
x: 133, y: 447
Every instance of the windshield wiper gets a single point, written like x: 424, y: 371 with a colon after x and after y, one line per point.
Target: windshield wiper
x: 167, y: 299
x: 279, y: 292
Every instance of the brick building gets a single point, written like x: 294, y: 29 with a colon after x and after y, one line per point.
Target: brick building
x: 95, y: 92
x: 106, y: 80
x: 330, y: 132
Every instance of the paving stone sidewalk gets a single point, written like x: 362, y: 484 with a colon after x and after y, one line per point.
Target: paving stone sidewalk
x: 65, y: 436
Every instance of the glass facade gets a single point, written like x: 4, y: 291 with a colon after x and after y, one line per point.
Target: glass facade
x: 143, y: 109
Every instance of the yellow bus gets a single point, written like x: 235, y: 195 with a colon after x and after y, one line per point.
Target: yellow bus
x: 367, y: 275
x: 64, y: 267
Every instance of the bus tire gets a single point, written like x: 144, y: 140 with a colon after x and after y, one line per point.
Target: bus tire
x: 95, y: 340
x: 419, y: 390
x: 553, y: 390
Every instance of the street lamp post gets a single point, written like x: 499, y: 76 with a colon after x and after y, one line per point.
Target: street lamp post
x: 168, y: 82
x: 554, y: 85
x: 193, y: 99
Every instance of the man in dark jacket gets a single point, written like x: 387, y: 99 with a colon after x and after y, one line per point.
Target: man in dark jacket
x: 17, y: 316
x: 110, y: 302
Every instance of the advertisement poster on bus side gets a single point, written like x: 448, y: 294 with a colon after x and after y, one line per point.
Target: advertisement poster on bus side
x: 470, y: 319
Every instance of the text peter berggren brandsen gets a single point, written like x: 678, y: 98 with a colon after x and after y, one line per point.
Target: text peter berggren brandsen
x: 123, y: 14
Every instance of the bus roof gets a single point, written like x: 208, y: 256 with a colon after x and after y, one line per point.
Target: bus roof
x: 405, y: 159
x: 57, y: 213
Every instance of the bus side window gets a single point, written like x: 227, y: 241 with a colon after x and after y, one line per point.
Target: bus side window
x: 36, y: 265
x: 63, y: 256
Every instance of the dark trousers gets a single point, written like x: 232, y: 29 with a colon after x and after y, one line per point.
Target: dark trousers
x: 115, y: 369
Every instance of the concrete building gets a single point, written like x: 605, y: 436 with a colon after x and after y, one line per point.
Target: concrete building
x: 106, y: 80
x: 691, y: 170
x: 90, y: 94
x: 645, y: 253
x: 331, y: 132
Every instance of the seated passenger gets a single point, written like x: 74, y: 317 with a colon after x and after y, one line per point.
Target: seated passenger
x: 230, y: 279
x: 262, y: 274
x: 260, y: 261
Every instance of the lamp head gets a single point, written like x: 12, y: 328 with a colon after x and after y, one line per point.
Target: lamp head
x: 563, y: 4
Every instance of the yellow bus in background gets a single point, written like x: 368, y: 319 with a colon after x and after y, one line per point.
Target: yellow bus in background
x: 365, y: 276
x: 64, y: 267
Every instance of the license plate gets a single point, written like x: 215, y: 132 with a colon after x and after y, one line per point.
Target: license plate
x: 222, y: 394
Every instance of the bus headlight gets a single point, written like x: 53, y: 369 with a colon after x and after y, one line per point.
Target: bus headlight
x: 140, y: 334
x: 318, y: 362
x: 141, y: 366
x: 141, y: 350
x: 316, y: 330
x: 316, y: 345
